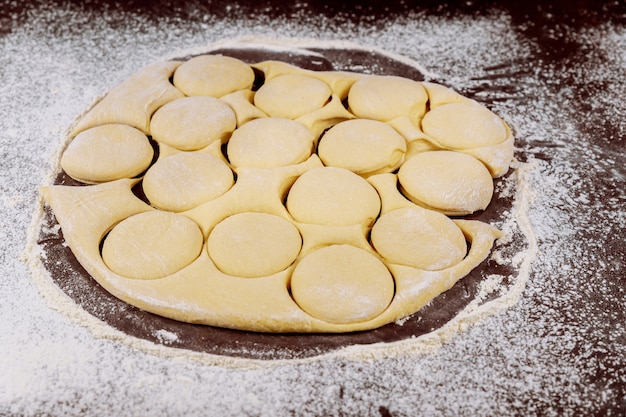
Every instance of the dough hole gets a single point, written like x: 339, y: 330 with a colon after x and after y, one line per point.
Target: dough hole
x: 152, y: 245
x: 342, y: 284
x: 253, y: 245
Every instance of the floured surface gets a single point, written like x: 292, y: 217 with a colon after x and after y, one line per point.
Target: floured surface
x: 558, y: 351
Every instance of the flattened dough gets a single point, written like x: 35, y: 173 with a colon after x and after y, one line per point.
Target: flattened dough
x: 253, y: 245
x: 451, y: 182
x: 342, y: 284
x: 107, y: 153
x: 183, y: 181
x: 192, y: 123
x: 333, y: 196
x: 362, y: 146
x: 213, y: 75
x: 269, y: 143
x: 152, y: 245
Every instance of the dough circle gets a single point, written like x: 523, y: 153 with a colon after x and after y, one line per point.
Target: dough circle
x: 192, y: 123
x: 152, y: 245
x: 464, y: 125
x: 334, y: 197
x: 386, y: 97
x: 292, y: 95
x: 363, y: 146
x: 342, y: 284
x: 452, y: 182
x: 252, y: 245
x: 269, y: 143
x: 213, y: 75
x: 420, y: 238
x: 183, y: 181
x: 107, y: 153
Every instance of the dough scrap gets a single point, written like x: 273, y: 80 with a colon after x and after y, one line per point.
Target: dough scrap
x: 192, y: 123
x: 362, y: 146
x: 451, y: 182
x: 183, y: 181
x: 252, y: 245
x: 270, y: 143
x: 107, y: 153
x: 333, y: 196
x: 152, y: 245
x: 342, y: 284
x: 213, y: 75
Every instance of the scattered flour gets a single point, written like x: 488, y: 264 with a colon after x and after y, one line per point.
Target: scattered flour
x: 557, y: 345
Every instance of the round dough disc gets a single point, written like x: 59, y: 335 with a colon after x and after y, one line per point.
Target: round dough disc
x: 253, y: 245
x: 292, y: 95
x: 363, y: 146
x: 464, y: 125
x: 152, y: 245
x: 420, y: 238
x: 213, y: 75
x: 342, y: 284
x: 183, y: 181
x: 452, y: 182
x: 192, y: 123
x: 107, y: 153
x: 334, y: 197
x: 269, y: 143
x: 386, y: 97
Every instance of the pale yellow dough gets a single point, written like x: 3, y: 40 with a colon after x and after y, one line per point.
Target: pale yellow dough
x: 270, y: 143
x: 213, y: 75
x: 185, y: 180
x: 451, y: 182
x: 252, y: 245
x: 192, y: 123
x: 152, y: 245
x: 253, y: 222
x: 106, y: 153
x: 362, y: 146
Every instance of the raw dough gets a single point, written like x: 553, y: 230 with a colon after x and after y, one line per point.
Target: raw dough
x: 253, y: 245
x: 342, y: 284
x: 270, y: 143
x: 106, y: 153
x: 451, y: 182
x: 292, y: 95
x: 192, y: 123
x: 183, y: 181
x: 213, y: 75
x: 363, y: 146
x: 152, y: 245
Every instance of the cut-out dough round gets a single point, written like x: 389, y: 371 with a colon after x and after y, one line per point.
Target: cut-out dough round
x: 363, y: 146
x: 464, y: 125
x: 451, y: 182
x: 213, y: 75
x: 152, y: 245
x: 270, y: 143
x: 192, y: 123
x: 253, y: 245
x: 342, y: 284
x: 185, y: 180
x: 333, y: 196
x: 292, y: 95
x: 420, y: 238
x: 386, y: 98
x: 107, y: 153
